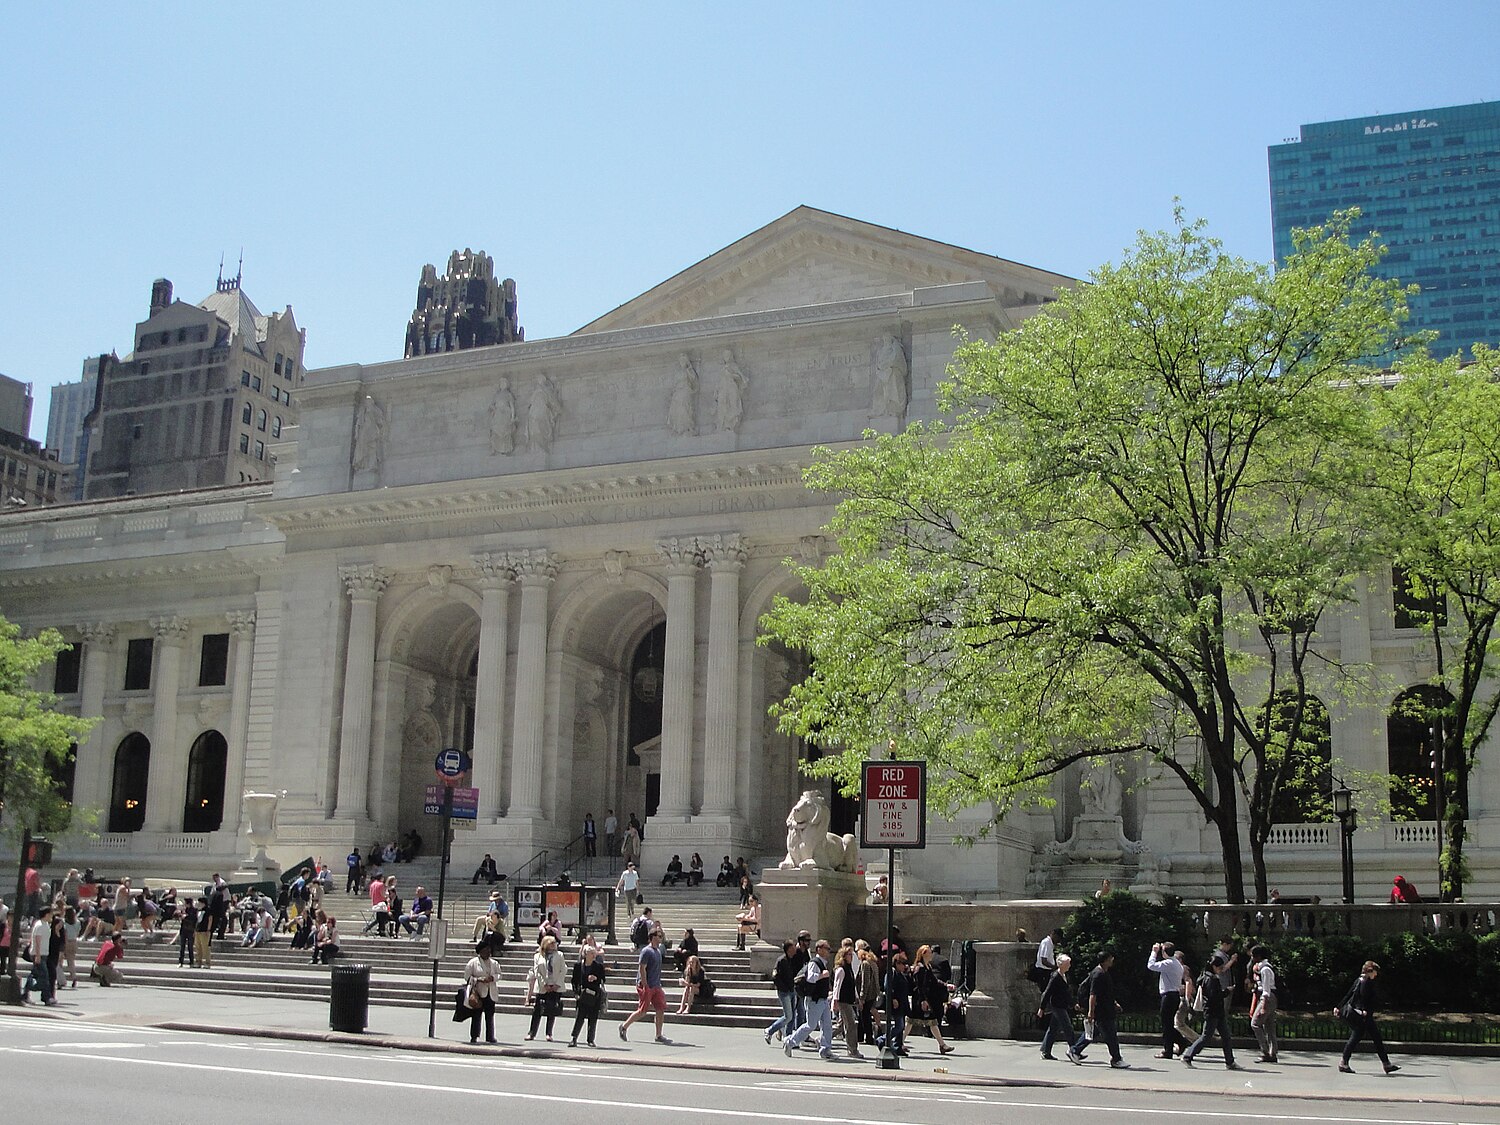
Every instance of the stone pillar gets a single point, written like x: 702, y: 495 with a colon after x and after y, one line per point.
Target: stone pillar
x: 535, y: 570
x: 489, y: 691
x: 166, y: 782
x: 241, y: 648
x: 683, y: 559
x: 725, y: 558
x: 364, y: 584
x: 94, y: 770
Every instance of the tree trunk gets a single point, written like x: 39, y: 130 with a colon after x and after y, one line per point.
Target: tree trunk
x: 1225, y: 816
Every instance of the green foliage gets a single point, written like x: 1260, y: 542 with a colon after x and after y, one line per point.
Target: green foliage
x: 1446, y: 972
x: 1118, y: 541
x: 1128, y: 926
x: 34, y: 737
x: 1317, y: 972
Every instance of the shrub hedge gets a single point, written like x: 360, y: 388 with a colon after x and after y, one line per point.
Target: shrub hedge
x: 1452, y: 972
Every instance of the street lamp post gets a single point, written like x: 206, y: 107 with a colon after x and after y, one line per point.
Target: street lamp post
x: 1343, y: 808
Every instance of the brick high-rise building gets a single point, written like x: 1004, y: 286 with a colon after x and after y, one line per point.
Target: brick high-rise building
x: 200, y: 400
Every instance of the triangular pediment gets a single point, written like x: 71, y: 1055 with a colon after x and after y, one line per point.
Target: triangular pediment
x: 811, y: 257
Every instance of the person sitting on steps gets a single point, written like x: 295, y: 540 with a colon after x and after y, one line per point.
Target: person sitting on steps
x: 674, y: 871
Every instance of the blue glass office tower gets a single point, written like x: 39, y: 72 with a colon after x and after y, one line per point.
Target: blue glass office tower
x: 1429, y: 182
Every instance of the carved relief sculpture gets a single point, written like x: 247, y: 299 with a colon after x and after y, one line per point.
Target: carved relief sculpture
x: 503, y: 419
x: 731, y: 404
x: 682, y: 406
x: 369, y: 434
x: 889, y: 392
x: 542, y: 413
x: 808, y: 841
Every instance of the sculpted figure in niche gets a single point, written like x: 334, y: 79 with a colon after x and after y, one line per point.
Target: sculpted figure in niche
x: 369, y: 434
x: 503, y: 419
x: 1101, y: 790
x: 731, y: 404
x: 682, y: 406
x: 889, y: 395
x: 541, y: 415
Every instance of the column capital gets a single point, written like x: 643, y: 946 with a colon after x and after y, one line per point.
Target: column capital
x: 534, y: 566
x: 96, y: 632
x: 365, y: 581
x: 683, y: 556
x: 169, y: 630
x: 241, y: 622
x: 495, y: 569
x: 725, y: 552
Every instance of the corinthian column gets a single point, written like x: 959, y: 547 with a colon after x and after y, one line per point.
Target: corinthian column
x: 166, y: 781
x: 91, y: 787
x: 535, y: 570
x: 241, y: 646
x: 364, y: 584
x: 683, y: 560
x: 496, y: 579
x: 725, y: 558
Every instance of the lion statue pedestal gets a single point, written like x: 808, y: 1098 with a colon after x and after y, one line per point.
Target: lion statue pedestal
x: 812, y: 888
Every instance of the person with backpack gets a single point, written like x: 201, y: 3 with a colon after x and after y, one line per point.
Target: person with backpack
x: 640, y: 929
x: 1263, y: 1002
x: 1358, y: 1011
x: 1096, y: 996
x: 1209, y: 999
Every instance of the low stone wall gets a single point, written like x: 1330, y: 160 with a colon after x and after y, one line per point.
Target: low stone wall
x: 946, y: 922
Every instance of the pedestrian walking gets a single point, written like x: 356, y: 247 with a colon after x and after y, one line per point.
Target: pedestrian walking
x: 626, y: 886
x: 898, y: 989
x: 1100, y: 1018
x: 1263, y: 1004
x: 203, y: 944
x: 784, y: 980
x: 1057, y: 1009
x: 846, y: 996
x: 1210, y: 1001
x: 648, y: 990
x: 1358, y: 1011
x: 611, y: 834
x: 929, y: 999
x: 1169, y: 973
x: 71, y: 927
x: 815, y: 985
x: 37, y: 947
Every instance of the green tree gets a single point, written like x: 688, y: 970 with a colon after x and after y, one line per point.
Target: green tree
x: 1435, y: 469
x: 1119, y: 540
x: 35, y: 738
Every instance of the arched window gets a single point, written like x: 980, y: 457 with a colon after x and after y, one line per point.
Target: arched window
x: 1307, y: 783
x: 203, y: 810
x: 1409, y: 741
x: 62, y: 773
x: 127, y: 802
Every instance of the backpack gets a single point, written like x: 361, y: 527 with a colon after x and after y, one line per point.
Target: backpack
x: 640, y: 931
x: 1200, y: 990
x: 1085, y: 988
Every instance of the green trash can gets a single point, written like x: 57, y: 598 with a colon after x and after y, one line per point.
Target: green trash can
x: 349, y: 997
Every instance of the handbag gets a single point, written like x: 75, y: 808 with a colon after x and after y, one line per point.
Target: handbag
x: 472, y: 1000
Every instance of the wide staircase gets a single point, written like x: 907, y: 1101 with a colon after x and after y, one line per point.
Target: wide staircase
x: 401, y: 968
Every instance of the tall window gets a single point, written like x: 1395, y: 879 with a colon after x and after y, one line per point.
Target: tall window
x: 138, y: 664
x: 127, y: 801
x: 1417, y: 601
x: 203, y: 809
x: 66, y: 670
x: 213, y: 660
x: 1409, y: 747
x: 1304, y: 762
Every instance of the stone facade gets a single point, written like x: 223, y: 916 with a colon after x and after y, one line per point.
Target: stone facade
x: 555, y: 554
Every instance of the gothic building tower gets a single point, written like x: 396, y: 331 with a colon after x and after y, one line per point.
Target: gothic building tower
x: 465, y: 308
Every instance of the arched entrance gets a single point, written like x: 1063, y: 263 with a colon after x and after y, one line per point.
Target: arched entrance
x: 127, y: 801
x: 203, y: 807
x: 1409, y: 746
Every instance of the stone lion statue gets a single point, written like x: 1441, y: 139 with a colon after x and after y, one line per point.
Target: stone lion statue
x: 808, y: 841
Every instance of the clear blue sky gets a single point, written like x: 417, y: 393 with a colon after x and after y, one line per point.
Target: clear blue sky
x: 595, y: 150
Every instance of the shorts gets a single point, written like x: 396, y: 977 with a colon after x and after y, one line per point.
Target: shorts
x: 652, y: 998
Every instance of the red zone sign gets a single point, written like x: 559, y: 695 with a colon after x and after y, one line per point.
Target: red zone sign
x: 893, y: 805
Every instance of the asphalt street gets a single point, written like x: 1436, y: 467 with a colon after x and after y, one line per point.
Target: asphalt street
x: 132, y: 1068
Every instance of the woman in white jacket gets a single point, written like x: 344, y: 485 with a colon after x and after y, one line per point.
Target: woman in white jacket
x: 482, y: 976
x: 544, y: 985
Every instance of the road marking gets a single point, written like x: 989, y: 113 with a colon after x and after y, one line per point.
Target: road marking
x: 1196, y: 1112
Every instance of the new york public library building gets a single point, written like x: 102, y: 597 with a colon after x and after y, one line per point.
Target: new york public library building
x: 554, y: 554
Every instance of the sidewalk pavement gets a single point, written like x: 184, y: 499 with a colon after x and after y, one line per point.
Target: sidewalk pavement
x: 1304, y: 1074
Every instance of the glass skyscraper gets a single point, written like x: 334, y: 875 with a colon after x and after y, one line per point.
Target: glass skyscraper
x: 1429, y: 183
